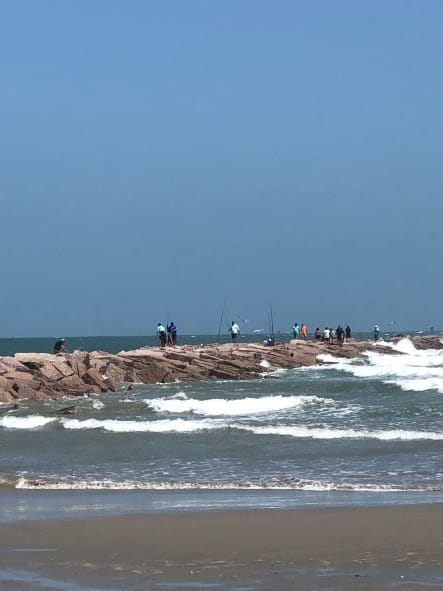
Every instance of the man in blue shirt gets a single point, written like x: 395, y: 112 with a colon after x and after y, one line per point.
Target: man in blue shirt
x: 172, y: 334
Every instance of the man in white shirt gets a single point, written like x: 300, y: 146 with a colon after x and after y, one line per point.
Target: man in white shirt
x: 235, y: 331
x: 161, y: 333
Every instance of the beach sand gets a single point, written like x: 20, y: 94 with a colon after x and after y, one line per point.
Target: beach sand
x: 371, y: 548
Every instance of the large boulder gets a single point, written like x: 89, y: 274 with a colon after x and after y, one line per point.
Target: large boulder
x: 95, y: 379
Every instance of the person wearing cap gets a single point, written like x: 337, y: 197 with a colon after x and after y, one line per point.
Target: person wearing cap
x: 59, y: 346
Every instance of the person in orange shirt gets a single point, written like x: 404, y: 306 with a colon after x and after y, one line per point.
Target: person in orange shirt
x: 304, y: 331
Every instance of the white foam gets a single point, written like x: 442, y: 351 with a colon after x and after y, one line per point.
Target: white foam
x: 29, y: 422
x: 327, y: 358
x: 240, y: 407
x: 265, y: 363
x: 413, y: 369
x: 322, y: 433
x: 405, y: 345
x: 161, y: 426
x: 419, y: 385
x: 306, y: 485
x: 281, y: 371
x: 382, y: 370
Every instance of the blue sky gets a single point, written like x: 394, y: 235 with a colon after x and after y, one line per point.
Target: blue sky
x: 160, y: 158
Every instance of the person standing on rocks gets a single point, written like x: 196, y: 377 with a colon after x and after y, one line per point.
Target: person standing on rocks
x: 339, y: 331
x: 234, y: 330
x: 161, y: 333
x: 348, y: 333
x: 295, y: 330
x: 376, y: 332
x: 172, y: 334
x: 304, y: 331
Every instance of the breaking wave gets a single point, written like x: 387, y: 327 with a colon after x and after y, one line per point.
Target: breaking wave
x: 240, y: 407
x: 183, y: 426
x: 28, y: 422
x: 411, y: 369
x: 164, y: 426
x: 284, y: 484
x: 305, y: 432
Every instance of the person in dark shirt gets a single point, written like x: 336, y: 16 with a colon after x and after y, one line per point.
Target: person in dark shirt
x: 340, y: 334
x: 172, y: 334
x: 59, y: 346
x: 348, y: 332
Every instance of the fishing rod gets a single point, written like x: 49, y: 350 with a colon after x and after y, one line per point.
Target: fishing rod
x: 272, y: 320
x: 221, y: 320
x: 271, y: 323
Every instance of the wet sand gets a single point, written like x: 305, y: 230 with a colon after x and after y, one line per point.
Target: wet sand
x: 337, y: 549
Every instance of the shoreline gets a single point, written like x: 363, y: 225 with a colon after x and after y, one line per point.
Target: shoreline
x: 345, y: 548
x: 43, y: 376
x: 249, y: 540
x: 42, y: 504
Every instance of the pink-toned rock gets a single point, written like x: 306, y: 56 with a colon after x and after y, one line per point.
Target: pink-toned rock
x: 39, y: 376
x: 98, y: 382
x: 6, y: 391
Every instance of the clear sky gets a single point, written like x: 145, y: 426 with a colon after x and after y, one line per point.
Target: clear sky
x: 160, y: 158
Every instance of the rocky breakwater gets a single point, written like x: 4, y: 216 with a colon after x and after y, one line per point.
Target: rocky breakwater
x: 40, y: 376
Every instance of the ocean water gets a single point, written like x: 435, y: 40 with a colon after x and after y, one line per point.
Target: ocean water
x: 367, y: 429
x: 111, y: 344
x: 115, y: 344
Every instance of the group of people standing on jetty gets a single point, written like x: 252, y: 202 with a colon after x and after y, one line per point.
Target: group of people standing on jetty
x: 327, y: 335
x: 167, y: 335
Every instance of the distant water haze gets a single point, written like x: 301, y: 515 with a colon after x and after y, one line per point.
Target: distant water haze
x: 115, y: 344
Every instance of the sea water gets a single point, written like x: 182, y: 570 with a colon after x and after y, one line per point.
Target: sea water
x: 363, y: 431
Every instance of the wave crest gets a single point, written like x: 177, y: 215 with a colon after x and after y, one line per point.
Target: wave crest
x: 239, y: 407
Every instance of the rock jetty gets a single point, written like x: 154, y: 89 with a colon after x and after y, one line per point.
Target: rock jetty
x: 40, y: 376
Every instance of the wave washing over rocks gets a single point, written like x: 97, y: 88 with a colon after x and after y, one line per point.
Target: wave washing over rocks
x: 40, y: 376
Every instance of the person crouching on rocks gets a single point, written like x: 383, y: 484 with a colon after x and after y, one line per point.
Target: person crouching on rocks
x: 59, y: 346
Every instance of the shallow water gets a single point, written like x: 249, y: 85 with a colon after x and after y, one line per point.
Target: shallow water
x: 23, y: 505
